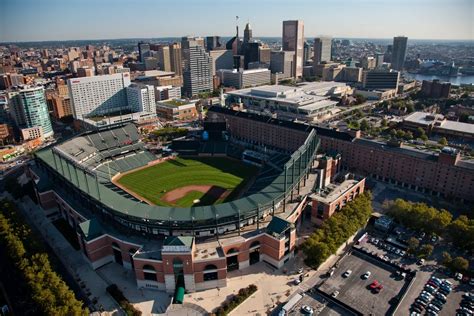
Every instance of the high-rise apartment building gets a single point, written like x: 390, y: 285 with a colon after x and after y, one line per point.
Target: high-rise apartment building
x: 30, y: 112
x: 176, y: 62
x: 322, y: 50
x: 399, y: 52
x: 141, y: 98
x: 99, y: 95
x: 293, y: 40
x: 197, y: 74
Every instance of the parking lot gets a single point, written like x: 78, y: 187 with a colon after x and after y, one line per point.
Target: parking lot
x: 453, y: 299
x: 354, y: 290
x: 319, y: 305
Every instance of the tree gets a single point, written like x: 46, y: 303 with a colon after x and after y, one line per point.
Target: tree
x: 384, y: 122
x: 459, y: 264
x: 426, y: 250
x: 400, y: 134
x: 410, y: 108
x: 419, y: 132
x: 424, y: 137
x: 443, y: 141
x: 413, y: 245
x: 393, y: 133
x: 446, y: 259
x: 364, y: 125
x: 408, y: 135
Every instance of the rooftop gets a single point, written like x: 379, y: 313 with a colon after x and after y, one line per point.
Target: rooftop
x: 301, y: 95
x: 424, y: 118
x: 334, y: 190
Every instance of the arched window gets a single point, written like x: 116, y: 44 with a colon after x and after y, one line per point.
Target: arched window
x: 232, y: 251
x: 210, y: 267
x: 210, y: 272
x: 255, y: 244
x: 149, y: 272
x: 149, y: 268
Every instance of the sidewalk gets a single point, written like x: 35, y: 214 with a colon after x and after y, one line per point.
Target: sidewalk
x: 93, y: 286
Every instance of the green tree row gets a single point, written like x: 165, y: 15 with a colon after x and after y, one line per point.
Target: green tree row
x: 337, y: 229
x: 422, y: 217
x: 48, y: 290
x: 168, y: 133
x: 235, y: 300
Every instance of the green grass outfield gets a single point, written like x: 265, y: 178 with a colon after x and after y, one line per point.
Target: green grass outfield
x: 154, y: 182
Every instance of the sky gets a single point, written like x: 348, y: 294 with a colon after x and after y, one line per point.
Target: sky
x: 41, y: 20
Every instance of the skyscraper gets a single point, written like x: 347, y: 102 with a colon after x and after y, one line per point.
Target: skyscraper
x: 293, y: 40
x: 399, y: 52
x: 175, y: 59
x: 197, y: 74
x: 306, y: 52
x: 30, y: 111
x: 247, y: 33
x: 213, y: 42
x: 143, y: 51
x: 164, y: 60
x: 322, y: 50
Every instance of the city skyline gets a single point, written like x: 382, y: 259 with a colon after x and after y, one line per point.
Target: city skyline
x: 58, y: 21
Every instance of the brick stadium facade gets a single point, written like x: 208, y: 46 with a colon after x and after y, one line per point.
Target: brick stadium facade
x: 176, y: 257
x: 443, y: 174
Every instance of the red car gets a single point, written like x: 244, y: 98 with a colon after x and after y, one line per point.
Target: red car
x: 378, y: 288
x: 374, y: 284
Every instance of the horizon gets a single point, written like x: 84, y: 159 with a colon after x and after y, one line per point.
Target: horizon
x: 230, y: 36
x: 55, y: 20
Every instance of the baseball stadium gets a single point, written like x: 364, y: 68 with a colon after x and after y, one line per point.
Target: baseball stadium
x: 224, y: 198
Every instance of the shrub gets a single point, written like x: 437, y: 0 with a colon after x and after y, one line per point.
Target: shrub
x: 235, y: 300
x: 123, y: 301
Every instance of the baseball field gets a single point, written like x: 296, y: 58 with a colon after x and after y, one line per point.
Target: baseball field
x: 185, y: 182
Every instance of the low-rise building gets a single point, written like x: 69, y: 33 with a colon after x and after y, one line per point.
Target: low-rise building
x: 176, y: 110
x: 438, y: 124
x: 308, y: 102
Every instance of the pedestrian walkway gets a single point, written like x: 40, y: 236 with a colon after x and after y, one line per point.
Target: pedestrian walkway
x: 90, y: 282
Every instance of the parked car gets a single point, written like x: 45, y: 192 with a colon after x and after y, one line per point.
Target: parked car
x: 335, y: 294
x: 347, y: 273
x: 307, y: 310
x: 458, y: 276
x: 366, y: 275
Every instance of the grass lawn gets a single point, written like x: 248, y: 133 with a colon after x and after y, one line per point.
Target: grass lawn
x: 154, y: 182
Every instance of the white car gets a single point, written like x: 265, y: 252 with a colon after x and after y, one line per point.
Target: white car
x: 347, y: 273
x: 366, y: 275
x: 307, y: 310
x: 296, y: 281
x: 335, y: 294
